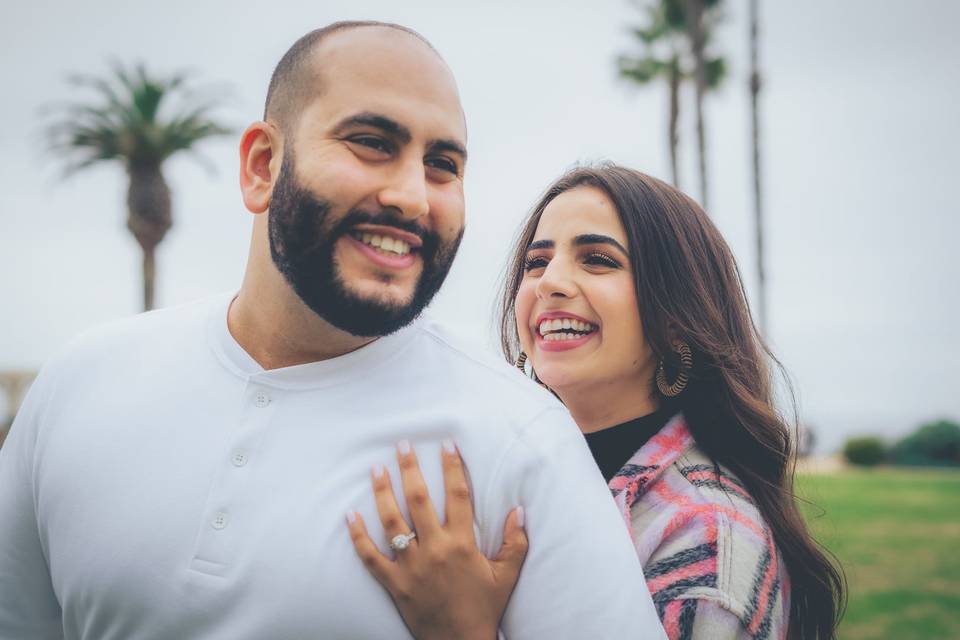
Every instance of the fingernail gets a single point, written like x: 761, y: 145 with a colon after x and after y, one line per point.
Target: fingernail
x: 448, y: 446
x: 521, y: 517
x: 378, y: 471
x: 403, y: 447
x: 351, y: 517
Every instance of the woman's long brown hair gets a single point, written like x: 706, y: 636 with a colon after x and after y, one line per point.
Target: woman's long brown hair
x: 689, y: 287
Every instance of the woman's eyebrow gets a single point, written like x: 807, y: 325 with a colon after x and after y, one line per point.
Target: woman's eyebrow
x: 540, y: 244
x: 596, y: 238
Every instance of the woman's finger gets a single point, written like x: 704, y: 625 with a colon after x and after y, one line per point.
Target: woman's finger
x: 390, y: 515
x: 419, y: 505
x: 459, y: 504
x: 379, y: 566
x: 508, y: 561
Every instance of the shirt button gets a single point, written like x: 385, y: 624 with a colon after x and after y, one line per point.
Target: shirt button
x: 239, y: 458
x: 261, y: 399
x: 220, y: 520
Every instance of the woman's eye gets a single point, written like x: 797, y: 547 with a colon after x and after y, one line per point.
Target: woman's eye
x: 535, y: 262
x: 443, y: 164
x: 603, y: 260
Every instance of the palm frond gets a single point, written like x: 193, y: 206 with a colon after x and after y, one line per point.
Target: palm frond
x: 663, y: 38
x: 716, y: 71
x: 659, y: 37
x: 125, y: 119
x: 641, y: 70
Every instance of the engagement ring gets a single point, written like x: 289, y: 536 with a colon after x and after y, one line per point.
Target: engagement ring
x: 402, y: 541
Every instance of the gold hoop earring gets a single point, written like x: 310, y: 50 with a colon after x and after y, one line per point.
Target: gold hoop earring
x: 683, y: 377
x: 521, y: 362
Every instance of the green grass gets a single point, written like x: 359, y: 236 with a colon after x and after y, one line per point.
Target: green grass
x: 896, y: 533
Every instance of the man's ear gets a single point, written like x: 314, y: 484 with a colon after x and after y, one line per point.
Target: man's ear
x: 260, y: 159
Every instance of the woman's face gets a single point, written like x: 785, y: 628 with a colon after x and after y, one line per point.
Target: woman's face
x: 576, y: 306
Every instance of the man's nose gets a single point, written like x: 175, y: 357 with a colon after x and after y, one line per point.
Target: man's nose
x: 406, y: 190
x: 556, y: 281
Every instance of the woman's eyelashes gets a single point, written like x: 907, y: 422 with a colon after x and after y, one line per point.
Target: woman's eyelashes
x: 601, y: 259
x: 593, y: 259
x: 534, y: 262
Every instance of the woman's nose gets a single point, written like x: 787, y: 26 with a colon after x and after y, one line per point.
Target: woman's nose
x: 556, y: 281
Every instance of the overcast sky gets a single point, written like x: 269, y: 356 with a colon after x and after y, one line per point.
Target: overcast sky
x: 861, y: 139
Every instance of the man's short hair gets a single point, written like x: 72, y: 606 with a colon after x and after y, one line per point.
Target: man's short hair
x: 293, y: 82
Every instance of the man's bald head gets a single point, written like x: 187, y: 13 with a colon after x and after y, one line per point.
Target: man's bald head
x: 295, y: 79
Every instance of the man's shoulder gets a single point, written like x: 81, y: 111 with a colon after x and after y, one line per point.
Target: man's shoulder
x: 157, y: 330
x: 478, y: 377
x: 469, y: 358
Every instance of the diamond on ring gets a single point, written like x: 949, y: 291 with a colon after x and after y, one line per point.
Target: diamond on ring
x: 402, y: 541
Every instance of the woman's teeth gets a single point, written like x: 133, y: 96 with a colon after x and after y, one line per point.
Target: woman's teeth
x: 554, y: 329
x: 385, y: 244
x: 562, y: 336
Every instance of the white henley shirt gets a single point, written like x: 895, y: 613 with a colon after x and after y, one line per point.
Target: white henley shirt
x: 159, y: 484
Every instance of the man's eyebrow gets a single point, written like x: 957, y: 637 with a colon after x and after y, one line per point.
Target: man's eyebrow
x: 377, y: 121
x: 540, y: 244
x: 395, y: 129
x: 596, y: 238
x: 449, y: 145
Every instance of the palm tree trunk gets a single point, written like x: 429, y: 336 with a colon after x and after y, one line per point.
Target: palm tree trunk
x: 695, y: 32
x: 757, y: 191
x: 674, y: 118
x: 149, y: 277
x: 149, y: 217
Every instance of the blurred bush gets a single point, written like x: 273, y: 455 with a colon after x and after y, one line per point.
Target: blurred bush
x: 866, y: 452
x: 934, y: 444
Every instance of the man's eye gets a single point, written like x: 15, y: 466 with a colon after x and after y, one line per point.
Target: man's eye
x: 443, y: 164
x: 603, y: 260
x: 536, y: 262
x: 372, y: 142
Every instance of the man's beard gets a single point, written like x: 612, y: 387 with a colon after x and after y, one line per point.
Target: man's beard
x: 303, y: 247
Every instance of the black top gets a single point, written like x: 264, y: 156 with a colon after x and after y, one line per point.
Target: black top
x: 614, y: 446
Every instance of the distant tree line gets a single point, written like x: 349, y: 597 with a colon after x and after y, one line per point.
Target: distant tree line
x: 936, y: 444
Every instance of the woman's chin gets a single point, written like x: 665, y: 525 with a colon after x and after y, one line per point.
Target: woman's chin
x: 557, y: 378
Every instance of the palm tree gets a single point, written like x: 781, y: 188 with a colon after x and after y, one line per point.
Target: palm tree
x: 126, y: 125
x: 700, y: 16
x: 662, y: 44
x: 757, y: 192
x: 666, y: 44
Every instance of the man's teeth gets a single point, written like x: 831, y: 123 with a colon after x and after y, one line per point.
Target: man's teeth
x: 386, y: 243
x: 559, y: 324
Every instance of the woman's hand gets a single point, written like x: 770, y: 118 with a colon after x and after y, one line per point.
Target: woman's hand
x: 441, y: 584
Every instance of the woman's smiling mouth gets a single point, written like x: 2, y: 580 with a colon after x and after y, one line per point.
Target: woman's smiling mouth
x: 558, y: 331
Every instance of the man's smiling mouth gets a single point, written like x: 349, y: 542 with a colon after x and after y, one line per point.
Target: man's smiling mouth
x: 383, y: 244
x: 386, y: 240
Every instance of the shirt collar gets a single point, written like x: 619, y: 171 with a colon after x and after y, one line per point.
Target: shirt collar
x: 323, y: 373
x: 649, y: 463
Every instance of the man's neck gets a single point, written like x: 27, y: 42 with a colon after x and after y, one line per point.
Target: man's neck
x: 280, y: 331
x: 606, y: 405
